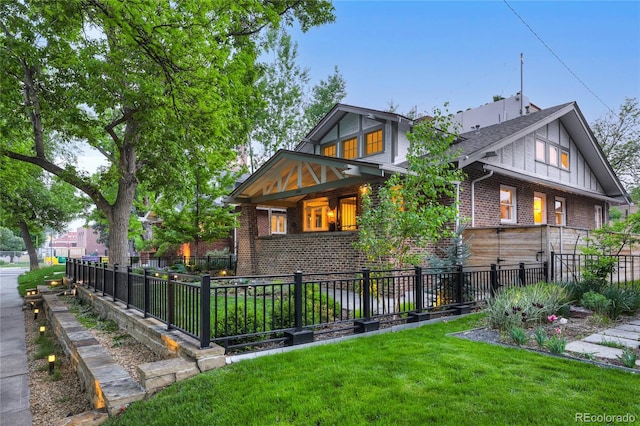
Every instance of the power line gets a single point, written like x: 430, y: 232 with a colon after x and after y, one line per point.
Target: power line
x: 557, y: 57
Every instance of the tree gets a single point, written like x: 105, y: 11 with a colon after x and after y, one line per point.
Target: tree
x: 619, y: 137
x: 410, y: 211
x: 323, y: 97
x: 31, y: 203
x: 282, y: 87
x: 10, y: 242
x: 144, y: 83
x: 290, y: 109
x: 197, y: 215
x: 407, y: 211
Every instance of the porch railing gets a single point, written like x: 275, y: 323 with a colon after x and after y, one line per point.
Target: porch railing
x: 291, y: 308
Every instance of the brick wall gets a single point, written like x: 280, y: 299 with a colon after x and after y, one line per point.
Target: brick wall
x: 579, y: 209
x: 307, y: 252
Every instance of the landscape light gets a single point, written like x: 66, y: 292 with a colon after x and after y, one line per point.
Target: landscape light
x: 35, y: 313
x: 42, y: 330
x: 52, y: 360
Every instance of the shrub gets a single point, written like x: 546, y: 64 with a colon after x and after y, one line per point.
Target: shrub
x: 596, y: 302
x: 523, y: 306
x: 577, y: 289
x: 622, y: 300
x: 238, y: 318
x: 317, y: 308
x: 2, y: 262
x: 556, y: 344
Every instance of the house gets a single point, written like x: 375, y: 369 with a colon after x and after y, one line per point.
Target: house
x: 536, y: 182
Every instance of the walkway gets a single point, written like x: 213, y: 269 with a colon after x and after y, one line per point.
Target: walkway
x: 14, y: 371
x: 627, y: 334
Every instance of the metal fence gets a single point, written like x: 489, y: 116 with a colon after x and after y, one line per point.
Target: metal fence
x: 261, y: 310
x: 571, y: 267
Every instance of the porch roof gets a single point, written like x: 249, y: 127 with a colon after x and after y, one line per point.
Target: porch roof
x: 288, y: 176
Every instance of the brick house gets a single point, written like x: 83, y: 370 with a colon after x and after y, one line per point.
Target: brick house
x: 535, y: 182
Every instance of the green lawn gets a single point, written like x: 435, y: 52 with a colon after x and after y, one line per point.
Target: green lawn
x: 35, y: 278
x: 419, y: 376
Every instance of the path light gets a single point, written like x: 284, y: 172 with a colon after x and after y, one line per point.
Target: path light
x: 42, y: 330
x: 52, y: 360
x: 36, y: 311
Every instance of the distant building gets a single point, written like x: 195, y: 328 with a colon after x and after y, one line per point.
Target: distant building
x: 75, y: 244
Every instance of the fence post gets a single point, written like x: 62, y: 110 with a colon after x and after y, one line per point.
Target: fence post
x: 205, y: 311
x: 552, y: 271
x: 171, y: 302
x: 419, y: 297
x: 494, y: 279
x: 366, y: 293
x: 129, y: 284
x: 459, y: 284
x: 145, y: 282
x: 297, y: 305
x: 366, y: 324
x: 298, y: 336
x: 115, y: 280
x: 521, y: 275
x: 545, y: 271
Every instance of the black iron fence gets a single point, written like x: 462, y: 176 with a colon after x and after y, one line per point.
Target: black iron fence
x: 209, y: 263
x: 571, y: 267
x: 291, y: 309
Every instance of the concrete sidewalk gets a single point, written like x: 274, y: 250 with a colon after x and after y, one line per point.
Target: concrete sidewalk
x: 14, y: 371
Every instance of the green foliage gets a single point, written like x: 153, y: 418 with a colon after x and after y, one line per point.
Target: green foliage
x: 35, y: 278
x: 619, y: 137
x: 596, y: 302
x: 628, y: 358
x: 611, y: 344
x: 407, y: 211
x: 151, y: 87
x: 577, y: 289
x: 540, y: 336
x: 556, y: 344
x: 622, y: 300
x: 318, y: 308
x: 10, y: 241
x: 518, y: 335
x: 523, y: 306
x: 238, y: 318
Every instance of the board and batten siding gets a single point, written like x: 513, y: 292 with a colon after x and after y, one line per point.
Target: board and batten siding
x: 520, y: 155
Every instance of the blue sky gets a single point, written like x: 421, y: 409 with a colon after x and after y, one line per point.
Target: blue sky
x: 426, y: 53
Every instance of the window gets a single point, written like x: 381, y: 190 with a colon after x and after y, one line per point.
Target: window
x: 373, y: 142
x: 507, y: 204
x: 539, y: 208
x: 598, y: 216
x: 540, y: 150
x: 561, y: 211
x: 350, y: 148
x: 316, y: 214
x: 553, y: 155
x: 329, y: 150
x: 564, y: 160
x: 278, y: 223
x: 347, y: 214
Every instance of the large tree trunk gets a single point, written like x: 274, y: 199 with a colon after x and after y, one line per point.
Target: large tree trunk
x: 31, y: 249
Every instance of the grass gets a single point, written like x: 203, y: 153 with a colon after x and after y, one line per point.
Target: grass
x: 418, y: 376
x: 35, y: 278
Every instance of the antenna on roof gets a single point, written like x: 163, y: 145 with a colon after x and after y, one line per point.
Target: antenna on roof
x: 521, y: 85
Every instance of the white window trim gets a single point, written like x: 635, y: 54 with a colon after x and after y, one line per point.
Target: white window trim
x: 514, y: 205
x: 564, y: 211
x: 598, y: 216
x: 543, y: 197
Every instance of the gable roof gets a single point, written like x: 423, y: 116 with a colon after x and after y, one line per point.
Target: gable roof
x: 476, y: 144
x: 289, y: 176
x: 339, y: 111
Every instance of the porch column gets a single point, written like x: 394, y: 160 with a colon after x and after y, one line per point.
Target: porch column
x: 247, y: 234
